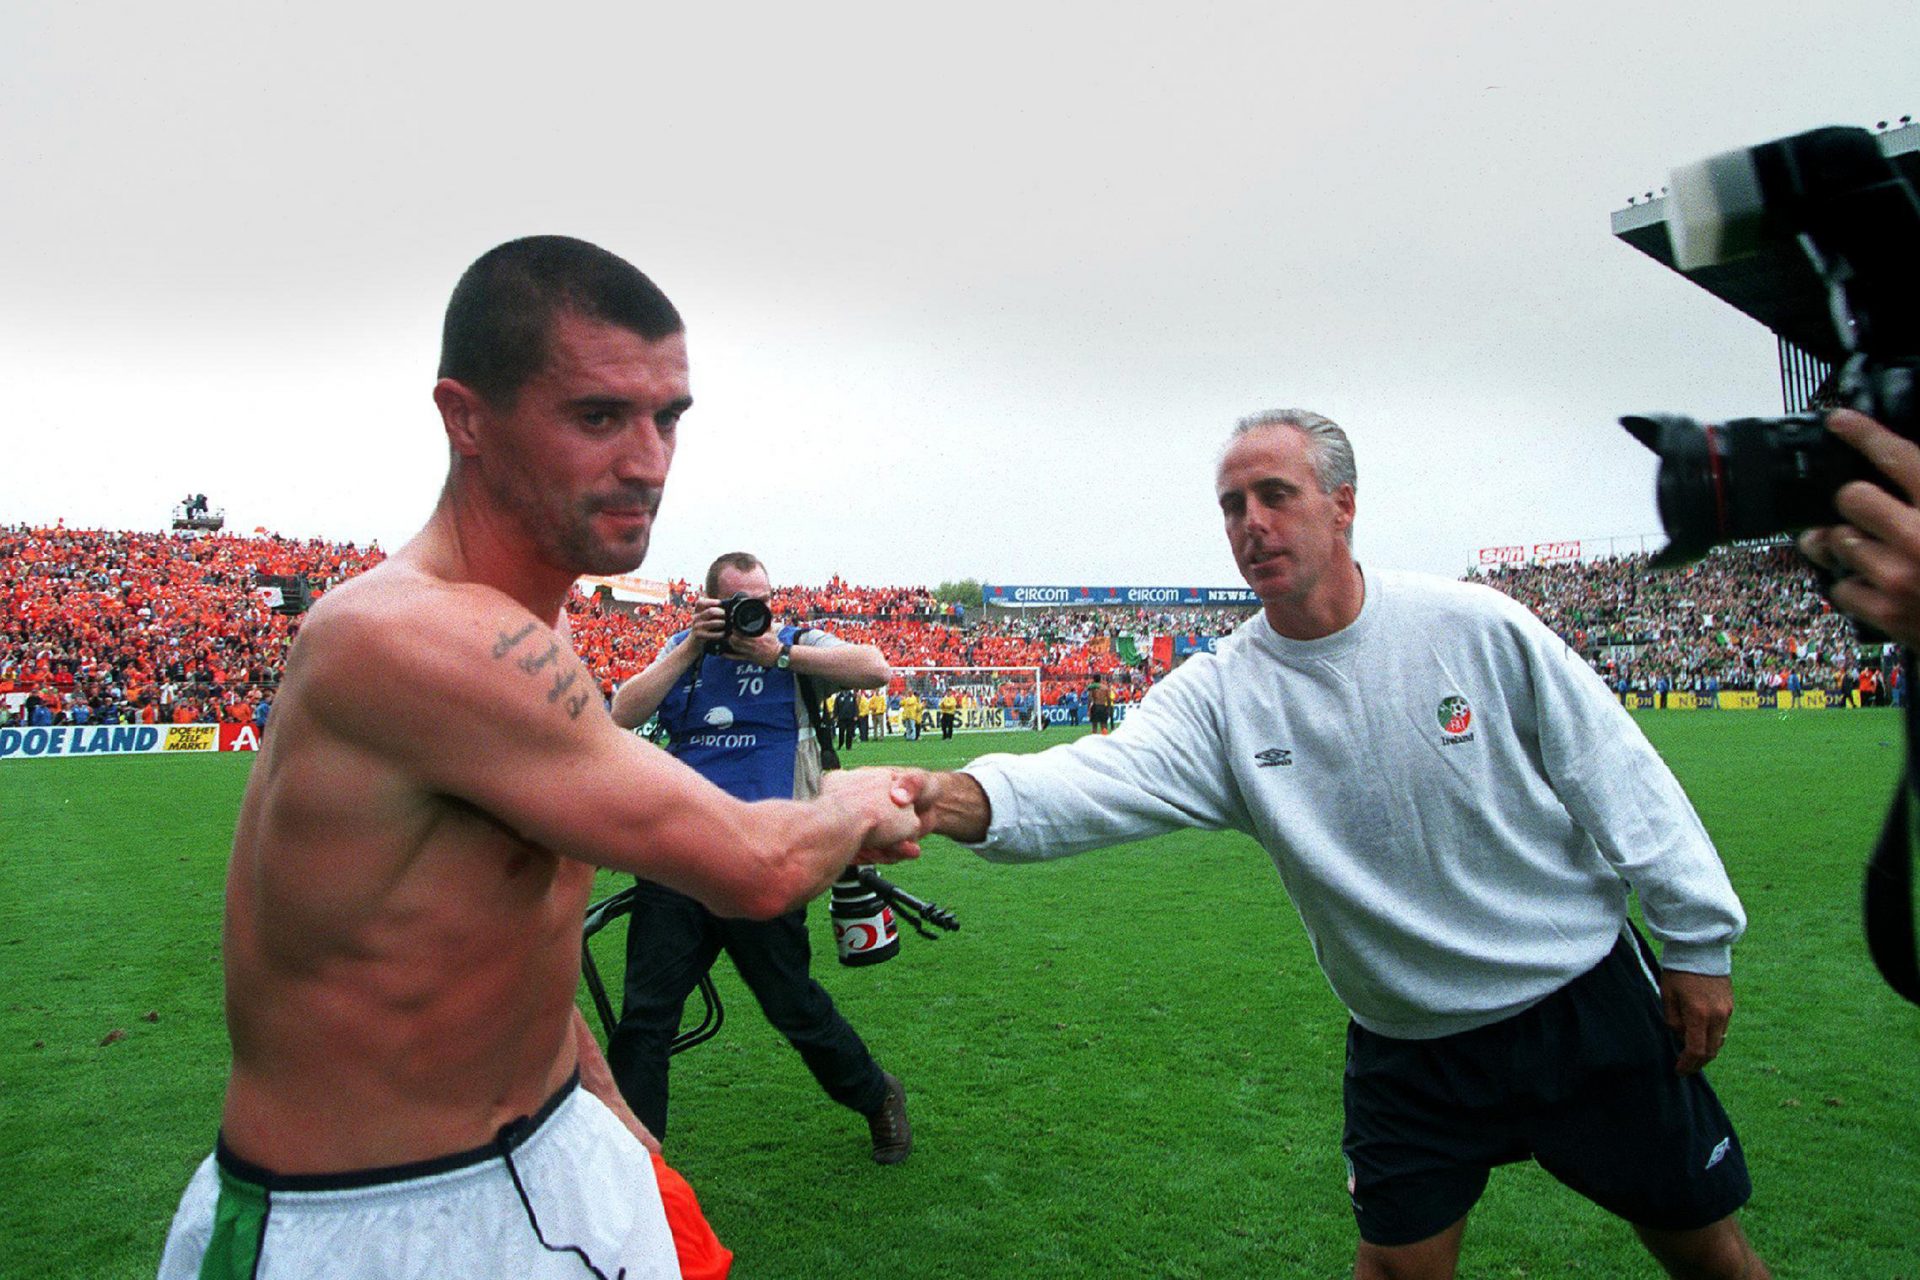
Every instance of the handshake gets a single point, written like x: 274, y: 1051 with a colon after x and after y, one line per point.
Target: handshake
x: 901, y: 806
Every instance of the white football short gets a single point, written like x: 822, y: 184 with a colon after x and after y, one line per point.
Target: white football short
x: 567, y: 1192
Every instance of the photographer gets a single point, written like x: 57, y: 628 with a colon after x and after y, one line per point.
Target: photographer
x: 1877, y: 551
x: 734, y: 708
x: 1456, y: 805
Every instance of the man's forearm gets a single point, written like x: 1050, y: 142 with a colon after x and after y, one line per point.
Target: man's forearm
x: 641, y: 696
x: 851, y: 666
x: 818, y: 838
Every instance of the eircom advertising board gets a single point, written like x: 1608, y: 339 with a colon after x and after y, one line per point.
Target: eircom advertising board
x: 61, y: 741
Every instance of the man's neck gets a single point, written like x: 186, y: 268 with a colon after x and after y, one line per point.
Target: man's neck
x: 468, y: 542
x: 1331, y: 606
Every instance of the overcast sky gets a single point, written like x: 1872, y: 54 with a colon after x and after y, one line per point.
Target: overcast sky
x: 973, y: 292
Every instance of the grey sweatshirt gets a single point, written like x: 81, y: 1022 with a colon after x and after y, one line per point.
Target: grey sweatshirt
x: 1455, y: 802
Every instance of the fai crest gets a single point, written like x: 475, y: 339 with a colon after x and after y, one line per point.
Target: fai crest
x: 1455, y: 714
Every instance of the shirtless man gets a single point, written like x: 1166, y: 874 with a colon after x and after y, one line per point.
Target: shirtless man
x: 419, y: 837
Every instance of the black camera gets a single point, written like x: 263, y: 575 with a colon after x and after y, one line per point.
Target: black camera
x: 745, y: 615
x: 1832, y: 194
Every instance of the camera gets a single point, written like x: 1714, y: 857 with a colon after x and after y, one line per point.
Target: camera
x: 745, y: 615
x: 1854, y: 219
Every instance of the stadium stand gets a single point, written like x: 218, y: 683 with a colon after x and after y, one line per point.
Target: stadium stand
x: 1743, y: 618
x: 117, y: 627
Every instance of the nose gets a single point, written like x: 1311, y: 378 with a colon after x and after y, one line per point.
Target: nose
x: 645, y: 457
x: 1256, y: 520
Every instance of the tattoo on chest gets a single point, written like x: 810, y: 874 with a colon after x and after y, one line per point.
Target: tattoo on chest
x: 534, y: 663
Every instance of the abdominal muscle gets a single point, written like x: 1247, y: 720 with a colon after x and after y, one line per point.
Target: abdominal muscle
x: 400, y: 974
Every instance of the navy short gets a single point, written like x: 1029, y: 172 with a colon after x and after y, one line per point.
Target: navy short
x: 1582, y: 1082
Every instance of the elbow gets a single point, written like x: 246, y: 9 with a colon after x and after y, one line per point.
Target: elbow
x: 876, y: 672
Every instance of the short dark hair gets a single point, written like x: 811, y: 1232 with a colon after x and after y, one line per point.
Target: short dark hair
x: 495, y: 336
x: 739, y: 561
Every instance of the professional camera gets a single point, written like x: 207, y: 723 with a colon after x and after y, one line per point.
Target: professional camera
x: 746, y: 615
x: 1856, y: 220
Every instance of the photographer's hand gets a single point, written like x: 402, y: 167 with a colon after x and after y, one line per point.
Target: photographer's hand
x: 1878, y: 550
x: 1698, y: 1008
x: 763, y: 649
x: 709, y: 623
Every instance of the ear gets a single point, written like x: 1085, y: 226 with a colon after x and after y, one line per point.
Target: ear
x: 463, y: 412
x: 1343, y: 502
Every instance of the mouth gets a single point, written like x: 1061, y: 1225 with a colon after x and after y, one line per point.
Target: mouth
x: 627, y: 520
x: 629, y: 514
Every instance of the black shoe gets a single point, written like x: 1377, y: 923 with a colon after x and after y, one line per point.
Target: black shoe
x: 892, y: 1134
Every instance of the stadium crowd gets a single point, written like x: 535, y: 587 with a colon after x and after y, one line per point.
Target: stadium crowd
x: 111, y: 626
x: 108, y: 627
x: 1743, y: 618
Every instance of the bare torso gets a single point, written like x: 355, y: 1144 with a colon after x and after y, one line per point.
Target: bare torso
x: 400, y: 966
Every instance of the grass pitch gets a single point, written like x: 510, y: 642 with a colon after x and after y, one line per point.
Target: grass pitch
x: 1124, y: 1064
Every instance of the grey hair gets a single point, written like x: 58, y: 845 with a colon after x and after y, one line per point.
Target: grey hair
x: 1328, y: 449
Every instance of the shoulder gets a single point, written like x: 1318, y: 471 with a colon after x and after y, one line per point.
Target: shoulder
x: 398, y: 637
x: 399, y: 613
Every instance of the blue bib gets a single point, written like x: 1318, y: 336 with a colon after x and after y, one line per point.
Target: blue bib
x: 738, y: 725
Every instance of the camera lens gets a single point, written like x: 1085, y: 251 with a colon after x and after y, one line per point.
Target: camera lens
x: 748, y: 617
x: 1749, y: 478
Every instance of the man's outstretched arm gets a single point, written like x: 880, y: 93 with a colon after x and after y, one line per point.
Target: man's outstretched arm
x: 478, y: 700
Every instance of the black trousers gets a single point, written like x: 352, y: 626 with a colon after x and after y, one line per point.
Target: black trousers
x: 846, y: 733
x: 671, y: 941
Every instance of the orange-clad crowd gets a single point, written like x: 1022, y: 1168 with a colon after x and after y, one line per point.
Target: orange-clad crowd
x: 109, y: 627
x: 104, y: 626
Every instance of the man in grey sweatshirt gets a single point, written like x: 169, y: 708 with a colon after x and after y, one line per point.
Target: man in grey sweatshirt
x: 1459, y: 809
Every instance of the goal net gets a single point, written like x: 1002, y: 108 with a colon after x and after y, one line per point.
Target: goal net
x: 987, y: 698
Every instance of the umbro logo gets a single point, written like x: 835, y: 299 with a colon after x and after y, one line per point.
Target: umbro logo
x: 1273, y: 756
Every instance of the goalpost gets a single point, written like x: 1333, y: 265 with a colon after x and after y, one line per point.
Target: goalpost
x: 991, y: 698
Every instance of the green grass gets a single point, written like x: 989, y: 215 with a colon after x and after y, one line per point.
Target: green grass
x: 1124, y: 1064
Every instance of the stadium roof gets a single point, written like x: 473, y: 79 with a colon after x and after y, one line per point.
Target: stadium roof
x: 1775, y: 287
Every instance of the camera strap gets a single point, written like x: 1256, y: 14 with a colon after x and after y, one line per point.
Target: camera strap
x: 1889, y: 887
x: 810, y: 694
